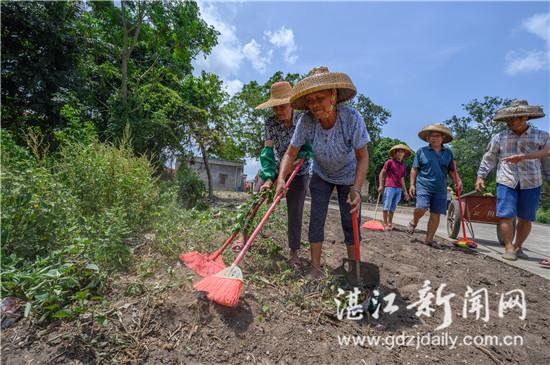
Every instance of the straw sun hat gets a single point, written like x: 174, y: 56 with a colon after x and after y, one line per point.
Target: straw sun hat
x: 320, y: 78
x: 519, y: 108
x: 440, y: 128
x: 404, y: 147
x: 280, y: 95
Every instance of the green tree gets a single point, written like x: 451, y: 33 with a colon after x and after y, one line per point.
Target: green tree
x: 207, y: 117
x: 41, y: 49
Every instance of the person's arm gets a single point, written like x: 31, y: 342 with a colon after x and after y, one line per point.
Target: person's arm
x: 414, y: 172
x: 527, y: 156
x: 458, y: 181
x: 412, y: 178
x: 382, y: 179
x: 286, y: 167
x: 488, y: 162
x: 404, y: 187
x: 354, y: 198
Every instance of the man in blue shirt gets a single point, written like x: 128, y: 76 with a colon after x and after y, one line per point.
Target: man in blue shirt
x: 432, y: 164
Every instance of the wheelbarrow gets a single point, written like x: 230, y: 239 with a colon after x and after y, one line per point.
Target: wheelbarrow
x: 477, y: 208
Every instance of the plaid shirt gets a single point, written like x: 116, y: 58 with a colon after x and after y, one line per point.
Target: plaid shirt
x: 528, y: 172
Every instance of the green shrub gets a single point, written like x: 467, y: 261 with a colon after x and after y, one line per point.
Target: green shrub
x: 191, y: 189
x: 65, y: 218
x: 543, y: 216
x: 103, y: 177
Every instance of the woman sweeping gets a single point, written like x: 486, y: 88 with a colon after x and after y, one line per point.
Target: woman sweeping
x: 278, y: 130
x: 339, y: 138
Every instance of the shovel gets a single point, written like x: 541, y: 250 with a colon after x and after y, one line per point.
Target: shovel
x: 357, y: 273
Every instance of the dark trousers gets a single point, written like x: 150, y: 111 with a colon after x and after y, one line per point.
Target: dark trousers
x: 321, y: 191
x: 295, y: 198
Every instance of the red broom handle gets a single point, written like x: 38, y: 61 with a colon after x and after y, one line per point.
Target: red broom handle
x: 219, y: 251
x: 356, y: 236
x: 267, y: 214
x: 459, y: 201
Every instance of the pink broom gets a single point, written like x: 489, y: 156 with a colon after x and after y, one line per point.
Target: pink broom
x: 226, y: 287
x: 205, y: 264
x: 373, y: 224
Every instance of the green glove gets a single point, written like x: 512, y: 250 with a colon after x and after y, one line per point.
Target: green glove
x: 306, y: 151
x: 268, y: 163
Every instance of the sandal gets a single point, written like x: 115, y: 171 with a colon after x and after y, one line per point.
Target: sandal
x: 411, y: 228
x: 545, y: 263
x: 511, y: 256
x: 433, y: 244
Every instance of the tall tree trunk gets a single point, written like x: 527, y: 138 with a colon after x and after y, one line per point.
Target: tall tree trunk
x: 126, y: 52
x: 208, y: 174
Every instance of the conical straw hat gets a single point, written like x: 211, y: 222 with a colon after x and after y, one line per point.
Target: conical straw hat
x: 320, y: 78
x: 519, y: 108
x: 446, y: 132
x: 280, y: 95
x: 404, y: 147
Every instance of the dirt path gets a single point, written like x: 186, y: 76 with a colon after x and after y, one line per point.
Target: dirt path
x: 282, y: 319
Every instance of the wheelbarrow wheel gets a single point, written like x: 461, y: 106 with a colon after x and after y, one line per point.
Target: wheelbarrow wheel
x: 453, y: 220
x: 499, y: 234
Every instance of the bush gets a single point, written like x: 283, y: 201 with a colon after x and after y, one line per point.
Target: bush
x: 191, y: 189
x: 65, y: 218
x: 543, y: 216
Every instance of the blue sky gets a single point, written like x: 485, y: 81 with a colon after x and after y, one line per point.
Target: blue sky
x: 420, y: 60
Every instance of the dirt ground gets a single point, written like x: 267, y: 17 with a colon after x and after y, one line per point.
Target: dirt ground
x: 284, y: 319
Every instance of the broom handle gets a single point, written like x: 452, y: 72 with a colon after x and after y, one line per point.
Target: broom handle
x: 219, y: 251
x: 455, y: 175
x: 356, y: 236
x: 376, y: 209
x: 267, y: 214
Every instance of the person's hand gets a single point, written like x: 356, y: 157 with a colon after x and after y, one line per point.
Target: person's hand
x: 407, y: 197
x: 280, y: 183
x: 514, y: 158
x: 380, y: 189
x: 480, y: 184
x: 266, y: 185
x: 412, y: 191
x: 458, y: 185
x: 354, y: 199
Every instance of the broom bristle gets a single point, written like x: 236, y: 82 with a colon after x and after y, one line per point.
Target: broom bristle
x: 201, y: 263
x: 224, y: 288
x: 466, y: 243
x: 373, y: 225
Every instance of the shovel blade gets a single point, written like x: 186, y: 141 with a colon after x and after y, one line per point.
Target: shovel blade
x: 367, y: 277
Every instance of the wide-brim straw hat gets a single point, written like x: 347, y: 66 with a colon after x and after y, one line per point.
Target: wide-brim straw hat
x: 320, y: 78
x: 404, y: 147
x: 519, y: 108
x: 440, y: 128
x: 280, y: 95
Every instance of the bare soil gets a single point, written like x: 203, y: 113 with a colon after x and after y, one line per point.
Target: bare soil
x: 164, y: 322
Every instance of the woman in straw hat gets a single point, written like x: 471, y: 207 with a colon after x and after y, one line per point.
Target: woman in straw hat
x: 278, y: 130
x: 518, y: 185
x: 339, y: 140
x: 392, y: 181
x: 432, y: 164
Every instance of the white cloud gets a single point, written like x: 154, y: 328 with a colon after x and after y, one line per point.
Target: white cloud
x: 233, y: 86
x: 226, y: 58
x: 538, y: 24
x: 534, y: 60
x: 284, y: 38
x: 521, y: 62
x: 252, y: 51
